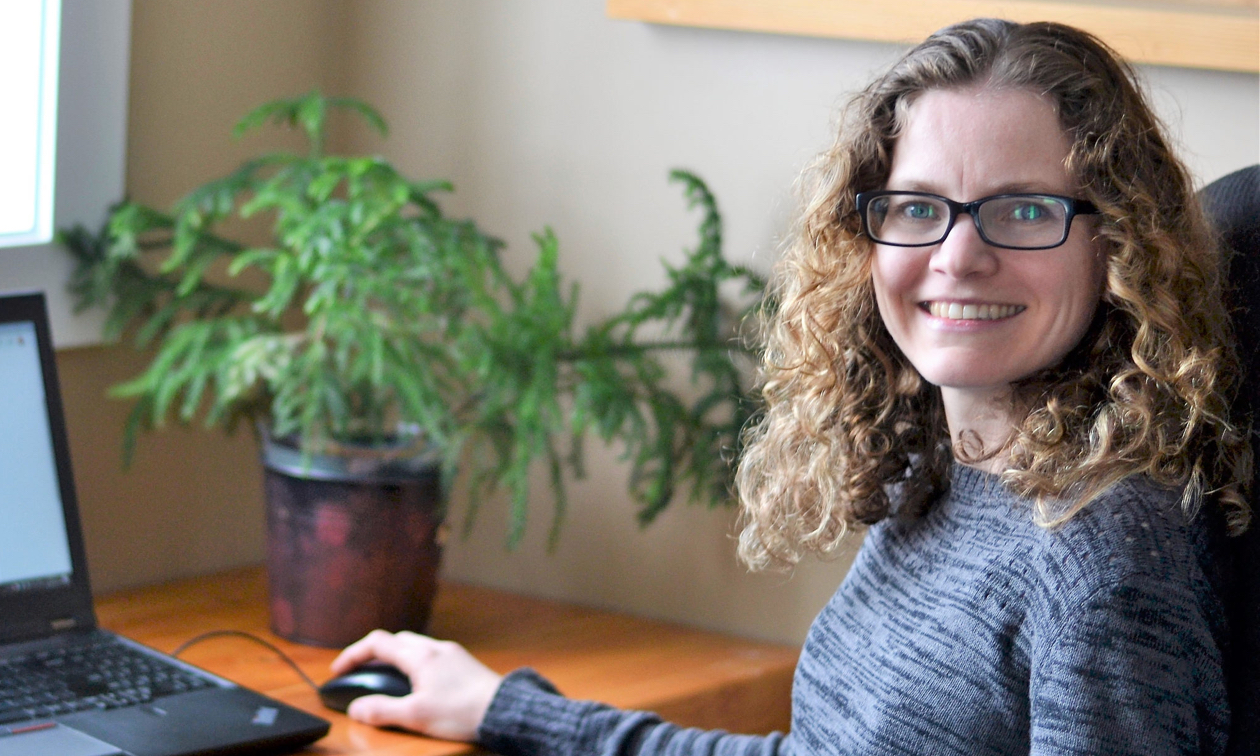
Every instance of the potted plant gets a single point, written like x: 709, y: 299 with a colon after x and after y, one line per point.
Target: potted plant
x: 387, y: 347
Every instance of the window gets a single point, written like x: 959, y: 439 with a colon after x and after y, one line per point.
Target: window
x: 91, y: 119
x: 29, y: 37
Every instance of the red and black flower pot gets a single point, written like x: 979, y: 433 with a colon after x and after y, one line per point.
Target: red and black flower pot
x: 354, y: 539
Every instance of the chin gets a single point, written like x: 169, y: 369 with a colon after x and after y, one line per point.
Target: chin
x: 979, y: 380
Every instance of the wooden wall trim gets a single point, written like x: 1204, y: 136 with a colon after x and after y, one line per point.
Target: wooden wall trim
x: 1220, y: 34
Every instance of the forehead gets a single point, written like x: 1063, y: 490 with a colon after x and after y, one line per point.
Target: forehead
x: 980, y: 141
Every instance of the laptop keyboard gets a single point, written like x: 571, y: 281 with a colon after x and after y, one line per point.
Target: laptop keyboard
x: 99, y: 674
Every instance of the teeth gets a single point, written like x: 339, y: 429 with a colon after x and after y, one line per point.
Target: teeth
x: 956, y: 311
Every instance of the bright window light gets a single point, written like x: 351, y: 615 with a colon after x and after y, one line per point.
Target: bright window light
x: 29, y: 34
x: 90, y: 76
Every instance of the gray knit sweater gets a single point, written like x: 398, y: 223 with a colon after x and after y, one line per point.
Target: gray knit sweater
x: 971, y: 630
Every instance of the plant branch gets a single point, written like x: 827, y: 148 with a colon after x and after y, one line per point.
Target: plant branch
x: 396, y: 313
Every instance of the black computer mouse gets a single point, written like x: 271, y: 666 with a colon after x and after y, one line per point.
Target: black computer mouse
x: 367, y: 680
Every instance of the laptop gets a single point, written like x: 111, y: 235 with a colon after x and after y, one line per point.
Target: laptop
x: 68, y: 687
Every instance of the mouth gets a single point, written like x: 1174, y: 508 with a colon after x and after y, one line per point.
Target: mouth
x: 970, y: 310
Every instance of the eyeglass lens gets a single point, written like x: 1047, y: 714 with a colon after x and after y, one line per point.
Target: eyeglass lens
x: 1023, y: 221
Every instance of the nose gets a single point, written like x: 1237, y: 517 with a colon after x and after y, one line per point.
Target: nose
x: 962, y: 253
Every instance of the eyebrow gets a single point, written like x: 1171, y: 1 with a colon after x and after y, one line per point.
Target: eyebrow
x: 1016, y: 187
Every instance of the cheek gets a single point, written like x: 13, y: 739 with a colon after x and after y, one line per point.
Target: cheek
x: 1097, y: 286
x: 893, y: 278
x: 1070, y: 303
x: 894, y: 282
x: 1093, y: 279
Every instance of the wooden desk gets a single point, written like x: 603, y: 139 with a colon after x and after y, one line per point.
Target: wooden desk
x: 690, y: 677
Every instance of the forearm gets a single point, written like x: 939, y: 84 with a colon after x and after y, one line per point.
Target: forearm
x: 528, y: 717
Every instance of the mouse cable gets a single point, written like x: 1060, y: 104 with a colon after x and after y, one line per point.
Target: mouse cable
x: 248, y: 636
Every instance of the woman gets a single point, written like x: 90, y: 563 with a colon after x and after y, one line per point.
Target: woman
x: 1000, y: 345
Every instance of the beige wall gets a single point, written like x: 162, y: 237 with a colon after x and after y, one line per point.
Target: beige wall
x: 542, y: 113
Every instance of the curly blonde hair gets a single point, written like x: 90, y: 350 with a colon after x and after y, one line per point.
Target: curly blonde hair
x: 849, y: 429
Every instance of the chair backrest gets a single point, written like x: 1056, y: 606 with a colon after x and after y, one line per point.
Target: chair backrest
x: 1233, y: 203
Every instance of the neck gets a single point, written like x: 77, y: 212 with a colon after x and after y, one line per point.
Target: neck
x: 980, y: 424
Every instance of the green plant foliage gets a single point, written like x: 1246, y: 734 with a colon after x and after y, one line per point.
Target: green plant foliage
x: 377, y: 310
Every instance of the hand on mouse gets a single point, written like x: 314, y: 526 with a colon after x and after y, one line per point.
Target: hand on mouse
x: 451, y: 690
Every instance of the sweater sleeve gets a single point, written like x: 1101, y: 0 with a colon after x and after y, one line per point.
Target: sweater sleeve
x: 1132, y: 669
x: 529, y: 717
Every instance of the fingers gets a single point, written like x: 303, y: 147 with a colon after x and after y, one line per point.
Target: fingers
x: 356, y: 654
x: 383, y: 711
x: 377, y: 645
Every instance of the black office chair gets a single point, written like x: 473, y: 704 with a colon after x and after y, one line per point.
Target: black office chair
x: 1233, y: 203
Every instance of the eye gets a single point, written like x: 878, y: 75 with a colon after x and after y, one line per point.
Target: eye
x: 1023, y: 211
x: 920, y: 211
x: 1028, y: 212
x: 915, y: 210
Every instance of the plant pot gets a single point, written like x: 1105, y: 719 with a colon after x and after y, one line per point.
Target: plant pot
x: 353, y: 540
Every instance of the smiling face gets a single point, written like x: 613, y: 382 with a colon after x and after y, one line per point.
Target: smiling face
x: 970, y: 317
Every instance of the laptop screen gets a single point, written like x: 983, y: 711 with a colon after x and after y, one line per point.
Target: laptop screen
x: 44, y: 585
x: 34, y: 545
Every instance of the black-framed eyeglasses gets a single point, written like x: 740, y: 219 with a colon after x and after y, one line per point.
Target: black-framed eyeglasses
x: 1010, y: 221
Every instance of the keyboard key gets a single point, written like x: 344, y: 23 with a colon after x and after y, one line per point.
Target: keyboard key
x: 102, y: 674
x: 13, y: 715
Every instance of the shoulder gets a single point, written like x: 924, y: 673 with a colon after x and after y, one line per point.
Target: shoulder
x: 1127, y: 630
x: 1134, y: 538
x: 1134, y: 554
x: 1136, y: 529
